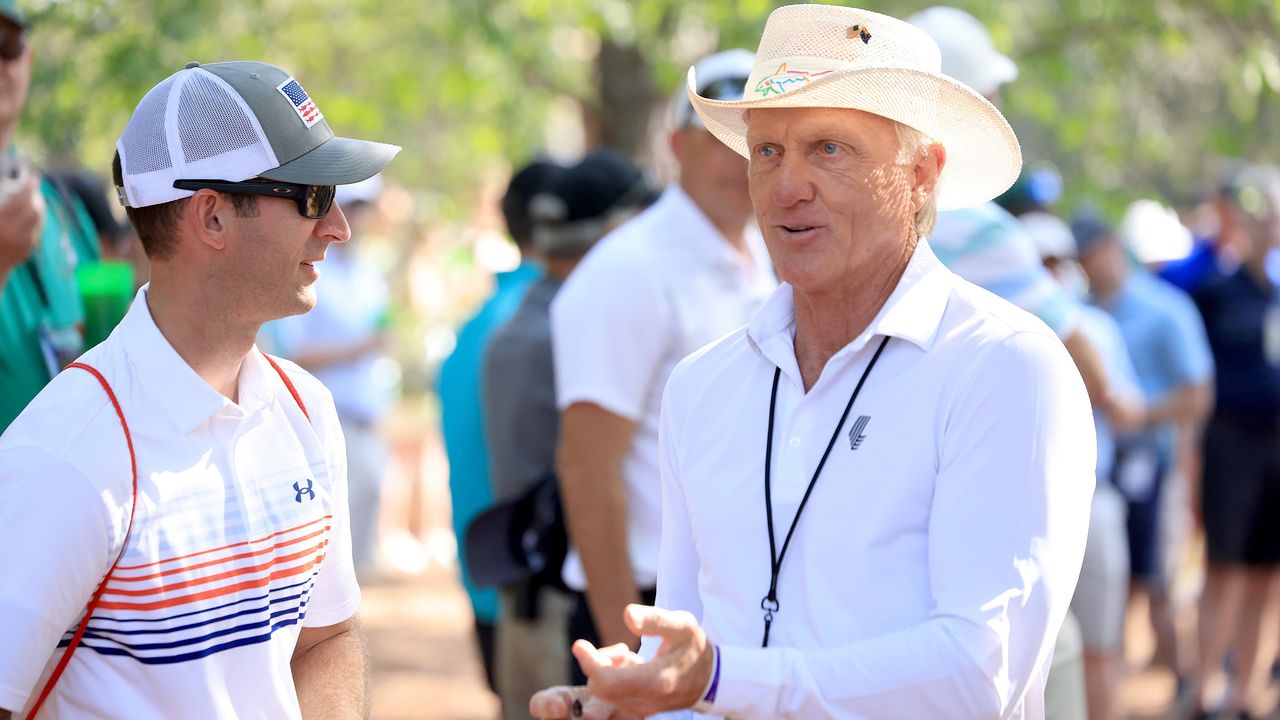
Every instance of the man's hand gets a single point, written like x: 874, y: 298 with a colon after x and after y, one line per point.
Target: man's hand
x: 674, y: 679
x: 563, y: 701
x: 21, y: 219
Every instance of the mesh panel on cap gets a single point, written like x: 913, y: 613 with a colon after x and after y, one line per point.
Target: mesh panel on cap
x: 193, y: 125
x: 210, y: 121
x: 143, y: 137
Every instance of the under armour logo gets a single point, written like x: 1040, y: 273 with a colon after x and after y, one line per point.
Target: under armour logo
x: 311, y: 494
x: 855, y: 433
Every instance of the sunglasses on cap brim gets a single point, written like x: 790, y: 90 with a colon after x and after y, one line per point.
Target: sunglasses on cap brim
x: 729, y: 88
x: 314, y: 201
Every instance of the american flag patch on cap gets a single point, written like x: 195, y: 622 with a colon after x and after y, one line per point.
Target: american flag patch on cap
x: 302, y: 103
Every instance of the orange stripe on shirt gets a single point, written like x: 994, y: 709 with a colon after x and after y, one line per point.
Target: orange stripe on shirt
x: 214, y: 593
x: 144, y: 566
x: 206, y: 579
x: 209, y: 563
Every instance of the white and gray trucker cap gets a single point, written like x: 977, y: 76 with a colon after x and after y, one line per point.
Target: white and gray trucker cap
x: 235, y: 121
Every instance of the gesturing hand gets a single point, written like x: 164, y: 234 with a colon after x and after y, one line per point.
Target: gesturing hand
x: 673, y: 680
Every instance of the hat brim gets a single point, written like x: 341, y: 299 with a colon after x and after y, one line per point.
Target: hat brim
x: 336, y: 161
x: 983, y: 154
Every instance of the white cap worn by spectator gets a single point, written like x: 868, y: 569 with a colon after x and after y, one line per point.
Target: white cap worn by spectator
x: 721, y: 76
x: 1154, y: 234
x: 365, y: 191
x: 1051, y: 235
x: 968, y: 54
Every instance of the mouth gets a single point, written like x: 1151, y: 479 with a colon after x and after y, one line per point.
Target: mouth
x: 798, y: 231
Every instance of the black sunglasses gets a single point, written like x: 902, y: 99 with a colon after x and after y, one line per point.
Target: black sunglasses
x: 724, y: 89
x: 314, y: 201
x: 13, y: 41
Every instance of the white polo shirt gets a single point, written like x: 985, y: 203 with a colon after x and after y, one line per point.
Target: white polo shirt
x: 935, y: 559
x: 654, y: 290
x: 240, y: 536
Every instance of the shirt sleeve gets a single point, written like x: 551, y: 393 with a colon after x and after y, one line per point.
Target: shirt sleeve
x: 1188, y: 349
x: 610, y: 330
x: 63, y: 535
x: 1006, y: 538
x: 336, y: 595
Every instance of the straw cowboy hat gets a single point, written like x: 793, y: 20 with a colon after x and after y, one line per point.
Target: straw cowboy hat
x: 837, y: 57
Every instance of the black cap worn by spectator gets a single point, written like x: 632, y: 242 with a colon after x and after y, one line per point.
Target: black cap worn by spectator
x: 1090, y: 231
x: 578, y: 207
x: 529, y: 181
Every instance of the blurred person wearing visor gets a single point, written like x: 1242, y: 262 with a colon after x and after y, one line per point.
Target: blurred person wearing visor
x: 344, y: 342
x: 44, y: 235
x: 180, y: 495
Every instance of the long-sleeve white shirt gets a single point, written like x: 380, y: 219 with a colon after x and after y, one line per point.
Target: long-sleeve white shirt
x: 935, y: 561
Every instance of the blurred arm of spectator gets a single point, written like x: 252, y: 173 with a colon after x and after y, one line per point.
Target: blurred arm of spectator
x: 1188, y: 406
x: 1125, y: 411
x: 593, y: 444
x: 21, y: 219
x: 319, y: 356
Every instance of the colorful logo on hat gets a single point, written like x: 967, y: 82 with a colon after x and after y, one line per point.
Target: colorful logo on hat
x: 302, y: 103
x: 859, y: 31
x: 784, y: 79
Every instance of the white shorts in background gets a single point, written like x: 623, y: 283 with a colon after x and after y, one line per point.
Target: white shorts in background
x: 1099, y: 602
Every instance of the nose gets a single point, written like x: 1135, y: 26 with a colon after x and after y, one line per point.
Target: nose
x: 793, y: 181
x: 333, y: 226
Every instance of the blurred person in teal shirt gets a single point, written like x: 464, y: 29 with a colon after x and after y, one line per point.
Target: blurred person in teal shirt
x: 44, y: 234
x: 461, y: 408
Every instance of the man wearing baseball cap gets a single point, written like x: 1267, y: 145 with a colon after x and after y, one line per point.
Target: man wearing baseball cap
x: 875, y: 496
x: 180, y: 496
x: 45, y: 234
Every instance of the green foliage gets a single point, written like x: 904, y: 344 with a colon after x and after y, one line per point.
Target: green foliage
x: 1126, y: 98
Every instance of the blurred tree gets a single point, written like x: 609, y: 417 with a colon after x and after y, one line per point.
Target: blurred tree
x: 1127, y: 99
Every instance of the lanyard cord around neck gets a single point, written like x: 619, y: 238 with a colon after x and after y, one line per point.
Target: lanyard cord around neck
x: 769, y: 603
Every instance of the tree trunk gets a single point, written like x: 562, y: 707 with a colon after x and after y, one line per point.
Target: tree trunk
x: 626, y: 99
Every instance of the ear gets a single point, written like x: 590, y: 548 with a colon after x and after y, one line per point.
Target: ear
x: 676, y: 142
x: 207, y: 216
x: 1227, y: 225
x: 926, y: 171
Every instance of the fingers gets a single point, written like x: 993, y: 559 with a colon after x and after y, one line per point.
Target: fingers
x: 620, y: 655
x: 668, y: 624
x: 554, y: 703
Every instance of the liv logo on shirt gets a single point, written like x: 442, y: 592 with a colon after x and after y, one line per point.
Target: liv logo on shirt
x: 855, y: 433
x: 304, y: 490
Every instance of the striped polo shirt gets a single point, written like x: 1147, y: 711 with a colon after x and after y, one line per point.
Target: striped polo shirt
x: 239, y: 536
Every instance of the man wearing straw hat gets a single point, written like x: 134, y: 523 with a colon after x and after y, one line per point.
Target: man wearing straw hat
x: 876, y: 495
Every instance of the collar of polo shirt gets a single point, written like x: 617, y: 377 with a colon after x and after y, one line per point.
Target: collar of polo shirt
x: 186, y: 397
x: 913, y: 312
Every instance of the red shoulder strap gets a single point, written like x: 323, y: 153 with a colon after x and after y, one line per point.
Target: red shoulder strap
x: 289, y: 384
x: 97, y: 594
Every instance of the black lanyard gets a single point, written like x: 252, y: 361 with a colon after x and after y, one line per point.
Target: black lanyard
x: 769, y: 603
